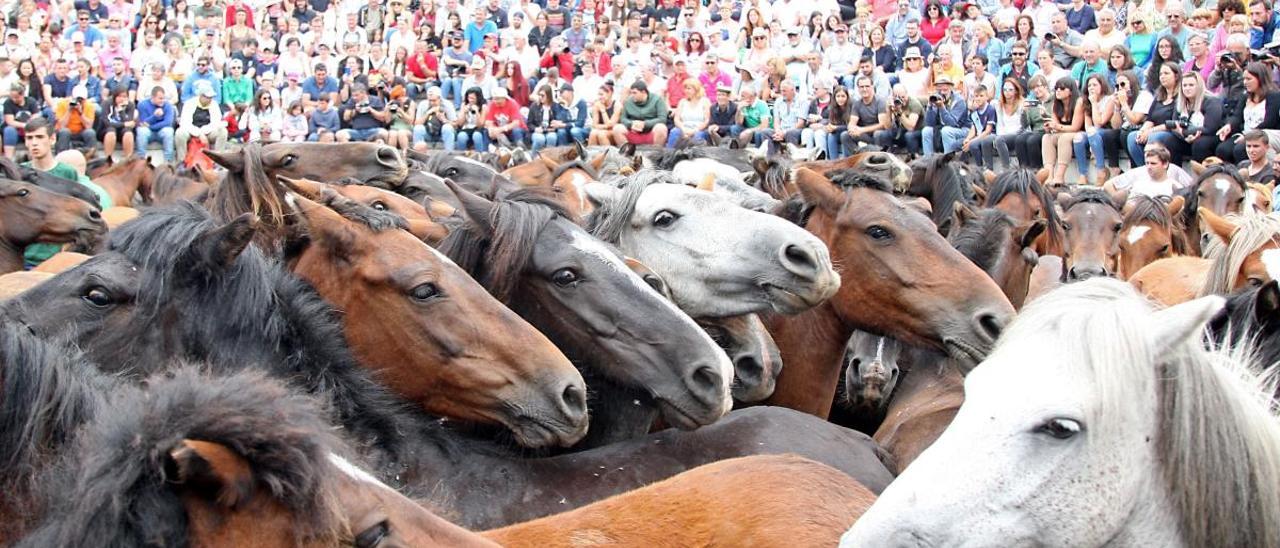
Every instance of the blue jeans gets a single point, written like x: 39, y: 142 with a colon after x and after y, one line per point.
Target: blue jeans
x: 476, y: 136
x: 451, y: 88
x: 952, y: 138
x: 362, y: 135
x: 539, y: 140
x: 1094, y: 145
x: 578, y: 134
x: 834, y: 150
x: 145, y: 135
x: 11, y: 136
x: 1136, y: 156
x: 677, y: 133
x: 446, y: 136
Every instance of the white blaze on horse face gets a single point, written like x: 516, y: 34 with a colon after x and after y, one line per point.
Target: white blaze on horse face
x: 1250, y: 199
x: 1271, y: 260
x: 579, y: 182
x: 1222, y: 185
x: 1137, y: 233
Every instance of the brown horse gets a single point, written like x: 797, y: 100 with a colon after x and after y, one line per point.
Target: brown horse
x: 30, y: 214
x: 1019, y: 194
x: 1221, y: 190
x: 169, y: 186
x: 420, y: 221
x: 1250, y: 256
x: 884, y: 164
x: 928, y: 395
x: 792, y: 501
x: 569, y: 182
x: 1172, y: 280
x: 1151, y: 230
x: 61, y: 261
x: 899, y: 277
x: 428, y: 330
x: 1258, y: 197
x: 1003, y: 247
x: 14, y: 283
x: 126, y: 179
x: 1091, y: 223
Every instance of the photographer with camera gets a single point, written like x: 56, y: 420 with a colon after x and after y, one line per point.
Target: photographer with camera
x: 946, y: 120
x: 906, y: 116
x: 365, y: 117
x: 1186, y: 132
x: 434, y: 121
x: 73, y: 120
x: 1258, y: 108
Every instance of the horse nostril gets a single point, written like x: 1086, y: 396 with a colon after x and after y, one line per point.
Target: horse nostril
x: 799, y: 260
x: 705, y: 378
x: 748, y: 369
x: 574, y: 398
x: 877, y: 159
x: 990, y: 325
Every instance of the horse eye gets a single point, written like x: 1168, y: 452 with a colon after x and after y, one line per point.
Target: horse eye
x: 565, y: 277
x: 878, y: 232
x: 451, y: 172
x: 22, y: 193
x: 379, y: 205
x: 1164, y: 250
x: 1116, y: 227
x: 664, y: 218
x: 373, y: 536
x: 424, y: 292
x: 289, y: 160
x: 1061, y: 429
x: 717, y: 333
x: 1255, y: 282
x: 97, y: 296
x: 1037, y: 214
x: 1066, y: 226
x: 655, y: 282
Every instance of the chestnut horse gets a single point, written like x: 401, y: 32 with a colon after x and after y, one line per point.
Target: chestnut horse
x: 900, y: 278
x: 426, y: 328
x: 419, y: 221
x: 1019, y: 194
x: 124, y: 180
x: 1091, y: 223
x: 1220, y: 189
x: 170, y: 186
x: 1151, y: 230
x: 1250, y: 256
x: 30, y: 214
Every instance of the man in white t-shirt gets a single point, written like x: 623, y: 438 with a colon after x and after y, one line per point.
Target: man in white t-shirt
x: 1158, y: 179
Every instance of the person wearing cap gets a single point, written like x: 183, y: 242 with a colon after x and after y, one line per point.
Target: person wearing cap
x: 503, y: 124
x: 155, y: 122
x: 644, y: 117
x: 797, y: 49
x: 434, y: 121
x: 478, y: 76
x: 576, y: 111
x: 946, y: 119
x: 73, y: 120
x: 365, y: 115
x: 201, y: 119
x: 457, y: 61
x: 676, y: 91
x: 724, y: 116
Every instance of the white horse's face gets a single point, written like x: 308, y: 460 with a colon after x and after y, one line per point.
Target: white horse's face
x: 722, y: 260
x: 1033, y: 458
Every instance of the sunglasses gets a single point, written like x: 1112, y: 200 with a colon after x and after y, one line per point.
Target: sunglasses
x: 1019, y: 54
x: 757, y: 37
x: 692, y: 40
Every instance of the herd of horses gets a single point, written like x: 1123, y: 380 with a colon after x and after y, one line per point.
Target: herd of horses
x: 337, y: 344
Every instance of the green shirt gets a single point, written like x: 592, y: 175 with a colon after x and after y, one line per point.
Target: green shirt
x: 237, y: 91
x: 35, y: 254
x: 754, y: 114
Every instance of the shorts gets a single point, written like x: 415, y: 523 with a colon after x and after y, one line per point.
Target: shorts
x: 640, y: 137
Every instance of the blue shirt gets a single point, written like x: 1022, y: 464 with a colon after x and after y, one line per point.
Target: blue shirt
x: 314, y: 89
x: 147, y: 114
x: 188, y: 90
x: 952, y: 114
x: 981, y: 119
x: 475, y: 35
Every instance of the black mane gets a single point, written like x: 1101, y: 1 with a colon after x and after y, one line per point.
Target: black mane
x: 1089, y: 195
x: 939, y: 179
x: 982, y: 239
x: 572, y: 165
x: 114, y: 488
x: 47, y: 392
x: 498, y: 260
x: 1241, y: 321
x: 853, y: 178
x: 1023, y: 182
x: 666, y: 159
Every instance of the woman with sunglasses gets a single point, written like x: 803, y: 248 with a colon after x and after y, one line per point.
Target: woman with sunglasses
x: 1124, y: 118
x: 1141, y: 40
x: 1009, y: 123
x: 1029, y: 141
x: 1062, y: 127
x: 934, y: 24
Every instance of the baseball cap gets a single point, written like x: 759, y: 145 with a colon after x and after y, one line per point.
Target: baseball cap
x: 235, y: 63
x: 793, y: 30
x: 565, y: 88
x: 500, y: 93
x: 293, y: 75
x: 206, y: 89
x: 724, y: 89
x: 759, y: 31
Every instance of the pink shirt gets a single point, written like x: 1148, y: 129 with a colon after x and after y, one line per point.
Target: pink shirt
x: 710, y: 83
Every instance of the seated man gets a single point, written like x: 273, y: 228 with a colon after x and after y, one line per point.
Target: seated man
x: 201, y: 119
x: 155, y: 122
x: 644, y: 118
x: 577, y: 109
x: 502, y: 120
x: 1256, y: 167
x: 946, y: 120
x: 73, y: 120
x: 365, y: 115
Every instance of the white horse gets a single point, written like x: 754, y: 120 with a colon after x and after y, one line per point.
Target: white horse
x: 718, y: 259
x: 1096, y: 421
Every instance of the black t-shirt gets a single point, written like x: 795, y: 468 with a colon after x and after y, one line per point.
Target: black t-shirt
x: 364, y: 120
x: 201, y: 117
x: 23, y: 112
x: 725, y: 116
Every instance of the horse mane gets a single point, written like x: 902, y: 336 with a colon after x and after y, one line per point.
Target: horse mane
x: 1089, y: 195
x: 1143, y: 208
x: 572, y: 165
x: 982, y: 239
x: 1024, y: 183
x: 254, y: 312
x: 46, y: 394
x: 1218, y: 439
x: 114, y: 488
x: 945, y: 184
x: 773, y: 180
x: 1252, y: 231
x: 609, y: 220
x: 368, y: 217
x: 854, y: 178
x: 666, y: 159
x: 497, y: 260
x: 251, y: 190
x: 1237, y: 325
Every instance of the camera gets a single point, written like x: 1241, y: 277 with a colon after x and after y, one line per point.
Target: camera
x: 935, y: 98
x: 362, y: 107
x: 898, y: 102
x: 394, y: 106
x: 1032, y: 103
x: 1050, y: 37
x: 1170, y: 125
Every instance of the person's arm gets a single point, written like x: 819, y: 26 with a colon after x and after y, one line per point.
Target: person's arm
x: 186, y: 119
x: 677, y: 118
x: 706, y: 116
x: 1077, y: 118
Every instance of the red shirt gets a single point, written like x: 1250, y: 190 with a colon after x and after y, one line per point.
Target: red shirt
x: 934, y: 32
x: 503, y: 115
x: 429, y: 63
x: 675, y: 88
x: 231, y: 14
x: 562, y: 61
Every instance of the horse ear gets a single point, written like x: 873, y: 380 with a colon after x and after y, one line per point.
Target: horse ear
x: 1220, y: 226
x: 303, y: 187
x: 218, y: 248
x: 1179, y: 323
x: 980, y: 192
x: 919, y: 204
x: 1026, y: 235
x: 961, y: 213
x: 818, y: 190
x: 579, y: 152
x: 438, y: 209
x: 1127, y: 209
x: 1118, y: 199
x: 1266, y: 304
x: 628, y: 150
x: 708, y: 183
x: 474, y: 208
x: 1174, y: 207
x: 212, y: 470
x: 735, y: 144
x: 1063, y: 199
x: 600, y: 194
x: 232, y: 160
x: 948, y: 157
x: 1198, y: 168
x: 430, y: 232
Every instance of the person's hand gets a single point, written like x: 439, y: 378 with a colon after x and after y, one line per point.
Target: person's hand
x: 637, y: 126
x: 1142, y: 137
x: 1192, y: 138
x: 1223, y: 132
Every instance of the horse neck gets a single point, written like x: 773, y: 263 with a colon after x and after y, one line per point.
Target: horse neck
x: 10, y: 257
x: 617, y: 413
x: 812, y: 346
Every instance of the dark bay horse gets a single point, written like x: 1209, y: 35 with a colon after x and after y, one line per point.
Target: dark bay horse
x: 999, y: 245
x: 170, y: 186
x: 427, y: 329
x: 1220, y: 189
x: 227, y: 306
x: 202, y: 460
x: 1091, y: 223
x: 1252, y: 315
x: 900, y: 278
x: 944, y: 181
x: 30, y: 214
x: 11, y: 170
x: 473, y: 175
x: 638, y: 352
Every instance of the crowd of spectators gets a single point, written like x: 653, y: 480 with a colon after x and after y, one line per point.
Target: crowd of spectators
x: 1005, y: 83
